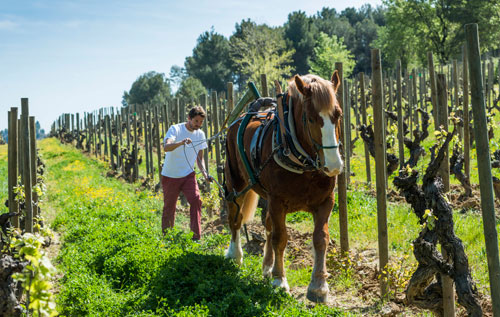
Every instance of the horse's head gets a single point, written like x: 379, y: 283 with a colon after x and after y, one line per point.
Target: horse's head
x: 320, y: 116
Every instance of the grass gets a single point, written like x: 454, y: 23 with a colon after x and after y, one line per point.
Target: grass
x: 115, y: 261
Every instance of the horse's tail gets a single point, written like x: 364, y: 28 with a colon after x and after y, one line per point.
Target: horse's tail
x: 249, y: 206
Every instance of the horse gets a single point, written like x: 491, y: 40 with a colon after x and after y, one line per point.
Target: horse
x: 315, y: 115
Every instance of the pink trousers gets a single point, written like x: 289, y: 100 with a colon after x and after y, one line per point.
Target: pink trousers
x: 171, y: 189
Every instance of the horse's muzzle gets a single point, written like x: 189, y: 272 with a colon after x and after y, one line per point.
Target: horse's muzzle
x: 333, y: 172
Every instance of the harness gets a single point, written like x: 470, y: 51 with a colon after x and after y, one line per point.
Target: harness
x: 287, y: 152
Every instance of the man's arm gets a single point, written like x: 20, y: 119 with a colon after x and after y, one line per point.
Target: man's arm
x: 171, y: 145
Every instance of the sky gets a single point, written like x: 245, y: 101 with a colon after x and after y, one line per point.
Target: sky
x: 70, y: 56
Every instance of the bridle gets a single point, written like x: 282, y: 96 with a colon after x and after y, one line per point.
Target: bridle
x: 316, y: 160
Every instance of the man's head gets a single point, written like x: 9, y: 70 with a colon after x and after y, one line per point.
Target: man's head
x: 195, y: 118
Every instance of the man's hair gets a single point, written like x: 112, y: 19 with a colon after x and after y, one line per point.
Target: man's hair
x: 196, y: 111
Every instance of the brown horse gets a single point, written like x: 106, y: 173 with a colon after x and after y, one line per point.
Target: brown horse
x: 316, y: 115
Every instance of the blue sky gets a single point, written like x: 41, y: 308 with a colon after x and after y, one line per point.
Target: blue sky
x: 78, y: 56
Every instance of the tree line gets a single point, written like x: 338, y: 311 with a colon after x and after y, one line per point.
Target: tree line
x: 404, y: 30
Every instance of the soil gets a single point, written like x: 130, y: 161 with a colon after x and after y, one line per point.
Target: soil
x: 362, y: 297
x: 455, y: 196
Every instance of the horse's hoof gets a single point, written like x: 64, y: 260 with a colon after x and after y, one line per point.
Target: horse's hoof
x: 318, y: 295
x: 267, y: 271
x: 281, y: 283
x: 238, y: 259
x: 235, y: 253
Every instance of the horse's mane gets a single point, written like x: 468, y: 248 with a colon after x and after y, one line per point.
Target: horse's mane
x: 322, y: 93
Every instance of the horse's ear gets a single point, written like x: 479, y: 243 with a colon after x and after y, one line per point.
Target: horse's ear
x: 303, y: 88
x: 335, y: 80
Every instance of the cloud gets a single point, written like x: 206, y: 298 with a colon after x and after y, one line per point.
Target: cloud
x: 73, y: 24
x: 7, y: 25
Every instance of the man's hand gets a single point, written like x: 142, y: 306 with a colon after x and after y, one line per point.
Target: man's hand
x: 186, y: 141
x: 209, y: 178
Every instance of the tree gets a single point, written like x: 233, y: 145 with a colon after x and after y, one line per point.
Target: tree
x: 190, y: 88
x: 177, y: 75
x: 330, y: 22
x: 357, y: 28
x: 299, y: 32
x: 396, y: 41
x: 149, y: 87
x: 365, y: 35
x: 328, y: 50
x: 210, y: 62
x: 438, y: 25
x: 39, y: 132
x: 260, y: 49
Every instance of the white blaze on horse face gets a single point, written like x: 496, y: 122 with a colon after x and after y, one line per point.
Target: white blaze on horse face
x: 333, y: 161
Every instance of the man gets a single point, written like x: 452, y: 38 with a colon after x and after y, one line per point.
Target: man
x: 184, y: 144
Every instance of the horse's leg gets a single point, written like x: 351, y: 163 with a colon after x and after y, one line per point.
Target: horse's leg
x: 234, y: 218
x: 239, y: 213
x: 279, y: 239
x: 267, y: 263
x: 318, y: 288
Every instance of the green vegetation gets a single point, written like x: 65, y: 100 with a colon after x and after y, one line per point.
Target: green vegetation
x: 115, y: 261
x: 415, y: 27
x: 327, y: 52
x: 149, y: 87
x: 260, y: 49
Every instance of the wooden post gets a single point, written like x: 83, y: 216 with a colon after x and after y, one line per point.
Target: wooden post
x: 136, y: 149
x: 421, y: 87
x: 26, y: 152
x: 380, y: 165
x: 456, y: 99
x: 347, y: 130
x: 400, y: 115
x: 182, y: 111
x: 217, y: 142
x: 77, y: 123
x: 177, y: 111
x: 203, y: 103
x: 110, y: 135
x: 146, y: 140
x: 410, y: 102
x: 13, y: 164
x: 20, y: 155
x: 414, y: 98
x: 149, y: 150
x: 466, y: 112
x: 164, y: 119
x: 119, y: 158
x: 442, y: 89
x: 263, y: 82
x: 33, y: 165
x: 491, y: 74
x: 448, y: 287
x: 212, y: 121
x: 391, y: 93
x: 363, y: 115
x: 356, y: 109
x: 432, y: 79
x: 157, y: 142
x: 342, y: 177
x: 107, y: 126
x: 484, y: 164
x: 95, y: 129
